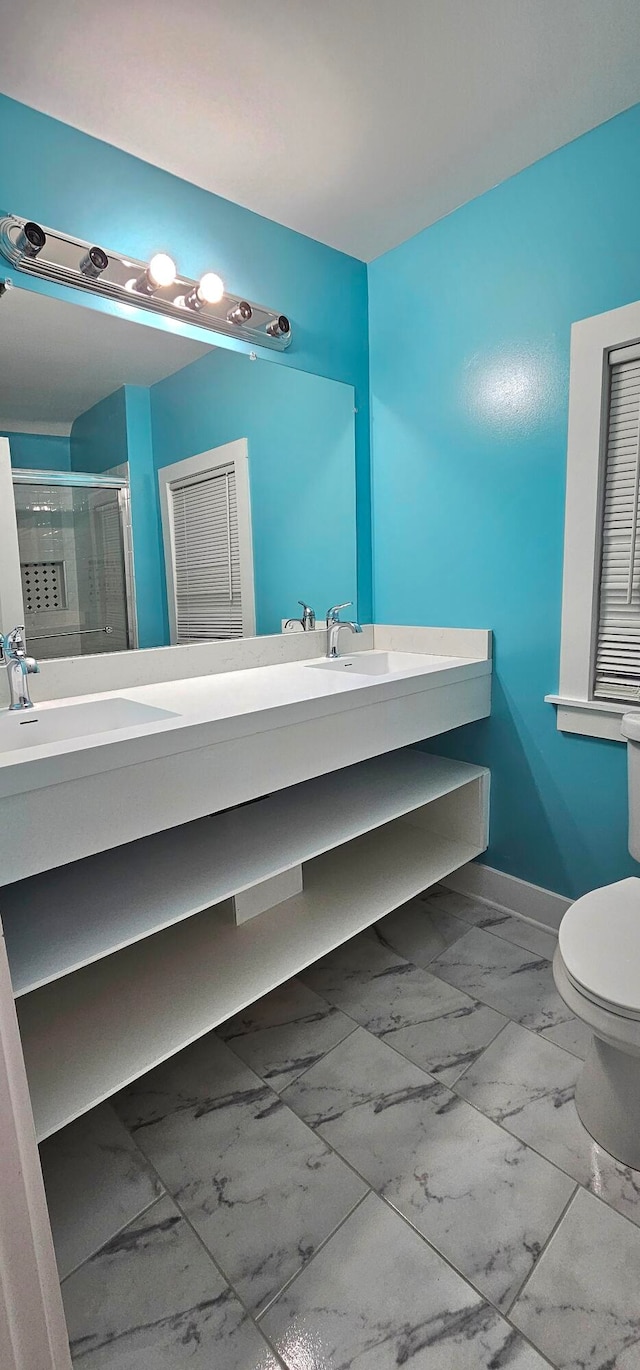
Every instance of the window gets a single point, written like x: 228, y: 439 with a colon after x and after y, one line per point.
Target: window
x: 617, y: 654
x: 207, y: 535
x: 600, y: 648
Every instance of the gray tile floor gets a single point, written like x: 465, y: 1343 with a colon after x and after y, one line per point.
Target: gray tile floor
x: 378, y: 1165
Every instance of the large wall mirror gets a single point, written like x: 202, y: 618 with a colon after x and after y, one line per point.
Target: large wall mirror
x: 155, y: 489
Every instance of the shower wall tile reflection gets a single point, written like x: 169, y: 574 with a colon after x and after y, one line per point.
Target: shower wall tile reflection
x: 73, y: 571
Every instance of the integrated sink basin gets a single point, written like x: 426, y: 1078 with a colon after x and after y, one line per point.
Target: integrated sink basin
x: 35, y: 727
x: 373, y: 663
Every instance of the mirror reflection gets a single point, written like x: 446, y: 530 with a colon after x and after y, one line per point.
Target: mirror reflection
x: 165, y: 490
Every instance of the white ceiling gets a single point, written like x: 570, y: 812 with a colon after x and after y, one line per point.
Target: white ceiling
x: 357, y: 122
x: 57, y: 360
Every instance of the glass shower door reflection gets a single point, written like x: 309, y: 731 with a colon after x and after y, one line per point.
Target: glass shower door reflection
x: 73, y: 566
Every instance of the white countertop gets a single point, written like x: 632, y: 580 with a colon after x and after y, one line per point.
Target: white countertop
x: 206, y: 709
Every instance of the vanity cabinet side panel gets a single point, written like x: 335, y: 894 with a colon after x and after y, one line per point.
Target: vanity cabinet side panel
x: 33, y: 1334
x: 462, y: 815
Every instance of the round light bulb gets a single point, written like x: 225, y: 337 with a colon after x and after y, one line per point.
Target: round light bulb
x: 162, y: 270
x: 210, y: 288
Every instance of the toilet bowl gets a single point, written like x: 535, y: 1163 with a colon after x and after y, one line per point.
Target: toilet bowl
x: 597, y: 972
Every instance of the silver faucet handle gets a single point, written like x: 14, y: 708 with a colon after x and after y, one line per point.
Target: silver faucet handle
x: 332, y: 614
x: 308, y: 619
x: 15, y: 641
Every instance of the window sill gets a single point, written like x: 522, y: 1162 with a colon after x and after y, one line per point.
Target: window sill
x: 590, y: 717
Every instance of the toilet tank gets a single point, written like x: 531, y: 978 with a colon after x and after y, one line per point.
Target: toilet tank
x: 630, y: 729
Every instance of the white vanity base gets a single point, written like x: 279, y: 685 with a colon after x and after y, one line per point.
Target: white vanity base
x: 112, y: 963
x: 147, y: 955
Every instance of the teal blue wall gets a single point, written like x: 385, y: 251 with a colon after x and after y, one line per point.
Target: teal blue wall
x: 151, y: 600
x: 470, y: 324
x: 65, y: 179
x: 99, y: 436
x: 114, y: 431
x: 39, y: 451
x: 300, y: 436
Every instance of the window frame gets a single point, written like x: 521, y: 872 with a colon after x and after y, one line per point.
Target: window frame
x: 235, y: 454
x: 592, y: 340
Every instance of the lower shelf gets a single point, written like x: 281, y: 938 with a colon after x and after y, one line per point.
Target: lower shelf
x: 88, y: 1035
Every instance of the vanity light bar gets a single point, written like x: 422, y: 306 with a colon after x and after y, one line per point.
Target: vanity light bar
x: 54, y: 256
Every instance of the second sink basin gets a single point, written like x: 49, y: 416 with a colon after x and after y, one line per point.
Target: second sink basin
x: 373, y: 663
x: 35, y: 727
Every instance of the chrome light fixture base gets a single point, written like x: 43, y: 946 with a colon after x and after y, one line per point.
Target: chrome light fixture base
x: 67, y: 261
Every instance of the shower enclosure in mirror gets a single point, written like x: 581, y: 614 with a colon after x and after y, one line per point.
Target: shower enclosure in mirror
x: 164, y: 489
x: 75, y: 563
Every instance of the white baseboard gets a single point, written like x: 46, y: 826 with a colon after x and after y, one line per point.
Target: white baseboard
x: 490, y: 886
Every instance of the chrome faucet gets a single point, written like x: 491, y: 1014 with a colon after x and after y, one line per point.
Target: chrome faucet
x: 307, y: 619
x: 13, y: 653
x: 334, y: 625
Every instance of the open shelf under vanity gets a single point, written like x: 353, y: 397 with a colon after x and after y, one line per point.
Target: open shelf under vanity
x: 121, y: 959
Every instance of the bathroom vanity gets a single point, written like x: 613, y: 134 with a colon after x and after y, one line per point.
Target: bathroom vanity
x: 173, y: 851
x: 185, y: 827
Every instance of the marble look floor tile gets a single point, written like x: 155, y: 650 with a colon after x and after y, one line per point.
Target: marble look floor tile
x: 418, y: 932
x: 260, y: 1189
x: 97, y: 1181
x: 483, y: 1199
x: 153, y: 1300
x: 580, y: 1306
x: 354, y: 963
x: 511, y: 980
x: 499, y: 921
x: 425, y: 1019
x: 471, y: 911
x: 527, y: 1085
x: 285, y: 1032
x: 525, y: 935
x: 574, y: 1036
x: 377, y: 1297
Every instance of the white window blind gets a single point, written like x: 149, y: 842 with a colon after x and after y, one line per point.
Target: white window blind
x: 617, y: 666
x: 206, y: 556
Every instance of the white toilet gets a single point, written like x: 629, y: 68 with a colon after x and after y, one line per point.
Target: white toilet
x: 597, y: 972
